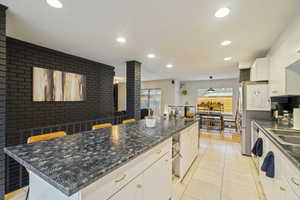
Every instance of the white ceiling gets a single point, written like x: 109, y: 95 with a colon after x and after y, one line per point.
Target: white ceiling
x: 184, y: 33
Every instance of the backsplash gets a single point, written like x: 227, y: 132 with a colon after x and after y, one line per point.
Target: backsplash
x: 285, y: 103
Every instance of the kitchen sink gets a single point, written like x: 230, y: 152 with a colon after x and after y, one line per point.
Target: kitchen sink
x: 290, y: 139
x: 293, y: 149
x: 285, y: 132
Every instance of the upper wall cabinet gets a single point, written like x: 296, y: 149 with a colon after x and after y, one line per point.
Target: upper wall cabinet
x: 285, y: 81
x: 260, y: 70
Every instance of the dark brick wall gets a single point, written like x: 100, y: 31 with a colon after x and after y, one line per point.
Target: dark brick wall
x: 133, y: 89
x: 23, y: 113
x: 2, y: 96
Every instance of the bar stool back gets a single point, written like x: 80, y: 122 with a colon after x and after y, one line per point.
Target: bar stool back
x: 99, y: 126
x: 128, y: 121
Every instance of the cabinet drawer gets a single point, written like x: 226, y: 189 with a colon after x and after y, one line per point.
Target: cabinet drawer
x: 293, y: 178
x: 113, y: 182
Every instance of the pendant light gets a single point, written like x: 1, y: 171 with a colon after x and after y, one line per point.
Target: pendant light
x: 210, y: 90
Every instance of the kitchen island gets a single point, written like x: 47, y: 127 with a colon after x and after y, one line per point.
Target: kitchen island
x: 127, y: 161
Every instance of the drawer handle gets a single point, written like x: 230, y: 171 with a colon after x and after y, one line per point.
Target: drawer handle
x: 139, y: 185
x: 282, y: 188
x: 121, y: 178
x: 158, y: 151
x: 295, y: 182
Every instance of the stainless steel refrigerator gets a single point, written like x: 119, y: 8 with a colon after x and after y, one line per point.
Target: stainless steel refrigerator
x: 254, y: 103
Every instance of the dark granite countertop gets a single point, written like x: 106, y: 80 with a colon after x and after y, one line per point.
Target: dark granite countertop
x: 73, y: 162
x: 291, y: 152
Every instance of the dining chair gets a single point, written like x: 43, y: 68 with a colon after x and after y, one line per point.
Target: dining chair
x: 99, y: 126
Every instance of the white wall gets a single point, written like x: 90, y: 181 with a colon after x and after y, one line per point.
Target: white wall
x: 283, y: 53
x: 193, y: 86
x: 170, y: 92
x: 121, y: 96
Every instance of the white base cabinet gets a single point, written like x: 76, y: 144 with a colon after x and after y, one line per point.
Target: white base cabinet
x: 282, y: 186
x: 154, y: 183
x: 188, y: 141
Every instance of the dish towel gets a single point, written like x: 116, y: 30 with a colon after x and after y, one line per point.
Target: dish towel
x: 257, y: 149
x: 268, y: 165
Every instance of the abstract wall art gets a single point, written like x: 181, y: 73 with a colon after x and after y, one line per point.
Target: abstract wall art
x: 53, y: 85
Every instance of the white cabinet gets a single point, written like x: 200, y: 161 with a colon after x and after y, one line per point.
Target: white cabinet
x: 154, y: 183
x: 281, y: 187
x: 258, y: 97
x: 188, y: 149
x: 132, y: 191
x: 260, y: 70
x: 158, y: 180
x: 284, y: 80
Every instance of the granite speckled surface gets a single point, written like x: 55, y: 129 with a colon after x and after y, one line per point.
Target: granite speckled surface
x: 73, y: 162
x: 292, y: 153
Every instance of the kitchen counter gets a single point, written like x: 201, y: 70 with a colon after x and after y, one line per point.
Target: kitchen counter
x: 73, y: 162
x: 292, y: 154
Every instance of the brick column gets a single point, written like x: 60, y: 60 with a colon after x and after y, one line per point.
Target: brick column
x: 133, y: 89
x: 2, y: 96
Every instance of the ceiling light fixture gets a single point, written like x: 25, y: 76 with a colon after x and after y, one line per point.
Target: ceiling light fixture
x: 210, y: 90
x: 121, y: 39
x: 222, y: 12
x: 226, y: 43
x: 228, y: 58
x: 151, y: 55
x: 169, y: 65
x: 54, y: 3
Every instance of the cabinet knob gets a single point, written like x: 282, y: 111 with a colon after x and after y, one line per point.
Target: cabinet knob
x: 139, y: 185
x: 294, y: 181
x: 121, y: 178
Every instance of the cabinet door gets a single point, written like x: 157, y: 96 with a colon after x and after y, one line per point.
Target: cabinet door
x: 258, y: 97
x: 185, y: 152
x: 158, y: 180
x: 132, y: 191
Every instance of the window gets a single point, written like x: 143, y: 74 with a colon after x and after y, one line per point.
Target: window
x: 151, y: 99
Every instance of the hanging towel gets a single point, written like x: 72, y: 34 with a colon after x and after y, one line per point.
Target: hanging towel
x: 268, y: 165
x: 257, y: 149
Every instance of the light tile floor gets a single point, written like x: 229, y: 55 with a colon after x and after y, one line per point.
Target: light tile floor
x: 220, y: 173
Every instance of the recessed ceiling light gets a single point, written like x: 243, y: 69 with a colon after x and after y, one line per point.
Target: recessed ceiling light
x: 228, y: 58
x: 222, y: 12
x: 121, y: 39
x: 169, y: 65
x: 226, y: 43
x: 151, y: 55
x: 55, y: 3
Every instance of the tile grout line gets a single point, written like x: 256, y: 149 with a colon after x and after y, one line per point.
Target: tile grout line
x: 222, y: 179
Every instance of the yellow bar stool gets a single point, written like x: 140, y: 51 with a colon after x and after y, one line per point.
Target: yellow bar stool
x: 128, y: 121
x: 47, y: 136
x: 38, y: 138
x: 99, y: 126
